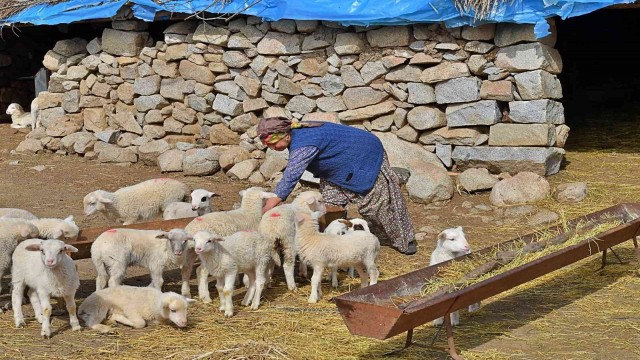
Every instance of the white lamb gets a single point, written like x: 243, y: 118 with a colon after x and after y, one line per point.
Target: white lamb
x: 44, y: 267
x: 224, y: 223
x: 21, y: 119
x: 116, y: 249
x: 200, y: 204
x: 63, y: 229
x: 341, y: 227
x: 133, y: 306
x: 11, y: 233
x: 224, y: 258
x: 16, y: 214
x: 358, y: 249
x: 141, y: 201
x: 451, y: 243
x: 278, y: 226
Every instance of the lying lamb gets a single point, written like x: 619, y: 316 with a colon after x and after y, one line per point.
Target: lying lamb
x: 133, y: 306
x: 278, y: 226
x: 141, y: 201
x: 224, y: 258
x: 44, y: 267
x: 21, y: 119
x: 116, y: 249
x: 451, y: 243
x: 224, y: 223
x: 11, y: 233
x: 358, y: 249
x: 200, y: 204
x: 50, y: 228
x: 16, y: 214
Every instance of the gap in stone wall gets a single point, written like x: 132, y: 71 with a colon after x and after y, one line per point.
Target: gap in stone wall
x: 601, y: 78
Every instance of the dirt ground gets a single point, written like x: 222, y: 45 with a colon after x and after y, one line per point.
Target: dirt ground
x: 529, y: 322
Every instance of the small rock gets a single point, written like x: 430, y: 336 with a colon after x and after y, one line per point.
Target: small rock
x: 524, y: 187
x: 38, y: 168
x: 519, y: 211
x: 571, y: 193
x: 543, y: 217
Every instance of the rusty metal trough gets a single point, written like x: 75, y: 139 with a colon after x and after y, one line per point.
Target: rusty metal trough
x: 371, y: 312
x: 87, y: 236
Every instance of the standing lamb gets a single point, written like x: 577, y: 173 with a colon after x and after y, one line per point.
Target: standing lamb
x: 11, y: 233
x: 243, y: 251
x: 341, y: 227
x: 358, y: 249
x: 141, y: 201
x: 278, y: 226
x: 116, y: 249
x: 224, y: 223
x: 200, y: 204
x: 16, y: 214
x: 21, y: 119
x: 44, y: 267
x: 133, y: 306
x: 451, y: 243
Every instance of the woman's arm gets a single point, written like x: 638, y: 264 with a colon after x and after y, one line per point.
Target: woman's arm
x: 299, y: 159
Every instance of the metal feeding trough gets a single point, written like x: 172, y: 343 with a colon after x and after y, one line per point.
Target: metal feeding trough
x: 87, y: 236
x: 371, y: 311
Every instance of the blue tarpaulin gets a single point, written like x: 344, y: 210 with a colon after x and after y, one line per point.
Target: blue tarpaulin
x: 346, y: 12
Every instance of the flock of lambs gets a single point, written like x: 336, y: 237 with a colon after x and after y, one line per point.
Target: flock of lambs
x: 228, y: 243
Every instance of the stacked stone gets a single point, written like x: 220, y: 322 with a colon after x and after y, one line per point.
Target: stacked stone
x: 434, y: 96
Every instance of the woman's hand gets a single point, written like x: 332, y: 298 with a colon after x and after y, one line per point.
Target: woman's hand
x: 271, y: 203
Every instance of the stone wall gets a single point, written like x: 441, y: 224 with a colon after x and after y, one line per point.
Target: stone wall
x: 440, y: 98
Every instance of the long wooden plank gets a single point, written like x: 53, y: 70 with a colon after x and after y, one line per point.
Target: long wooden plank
x: 87, y: 236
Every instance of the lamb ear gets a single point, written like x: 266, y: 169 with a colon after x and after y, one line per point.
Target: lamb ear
x: 211, y: 194
x: 162, y: 235
x: 310, y: 200
x: 34, y: 247
x: 459, y: 228
x: 69, y: 219
x: 25, y: 232
x: 299, y: 218
x: 190, y: 301
x: 70, y: 248
x: 57, y: 234
x: 442, y: 236
x: 346, y: 222
x: 103, y: 199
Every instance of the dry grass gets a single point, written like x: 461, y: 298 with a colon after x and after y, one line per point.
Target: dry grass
x: 570, y: 313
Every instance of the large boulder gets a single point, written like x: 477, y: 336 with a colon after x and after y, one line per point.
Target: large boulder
x: 477, y: 179
x: 171, y: 160
x: 540, y: 160
x: 429, y: 183
x: 525, y: 187
x: 115, y: 154
x: 404, y: 154
x: 201, y: 162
